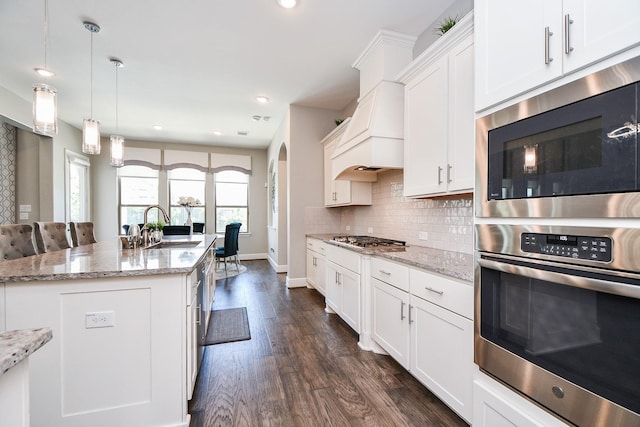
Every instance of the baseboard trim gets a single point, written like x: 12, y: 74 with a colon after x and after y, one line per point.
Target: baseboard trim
x: 250, y: 257
x: 278, y: 268
x: 300, y: 282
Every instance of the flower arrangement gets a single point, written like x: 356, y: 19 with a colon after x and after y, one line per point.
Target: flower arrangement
x: 188, y: 202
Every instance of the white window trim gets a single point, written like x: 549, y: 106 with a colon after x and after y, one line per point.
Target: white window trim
x: 70, y: 158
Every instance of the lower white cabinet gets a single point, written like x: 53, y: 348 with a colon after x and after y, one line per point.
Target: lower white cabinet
x: 316, y: 265
x: 343, y: 293
x: 390, y: 328
x: 442, y: 354
x: 494, y: 405
x: 193, y: 320
x: 343, y: 284
x: 423, y: 321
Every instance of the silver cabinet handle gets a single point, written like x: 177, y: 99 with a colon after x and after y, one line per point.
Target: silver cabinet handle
x: 199, y: 321
x: 439, y: 175
x: 410, y: 307
x: 449, y: 167
x: 435, y: 291
x: 386, y: 273
x: 567, y: 40
x: 547, y: 36
x: 402, y: 316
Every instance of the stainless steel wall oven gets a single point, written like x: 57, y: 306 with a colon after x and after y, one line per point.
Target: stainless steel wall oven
x: 557, y: 274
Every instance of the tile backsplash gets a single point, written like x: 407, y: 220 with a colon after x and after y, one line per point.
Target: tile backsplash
x: 442, y: 223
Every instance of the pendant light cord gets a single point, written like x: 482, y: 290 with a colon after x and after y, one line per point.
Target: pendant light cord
x: 46, y: 35
x: 91, y: 79
x: 116, y: 65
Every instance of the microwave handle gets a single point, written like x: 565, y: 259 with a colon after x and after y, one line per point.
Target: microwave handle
x: 598, y: 285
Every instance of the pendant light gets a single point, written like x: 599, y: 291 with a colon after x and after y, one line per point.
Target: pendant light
x: 117, y: 141
x: 91, y: 127
x: 45, y: 108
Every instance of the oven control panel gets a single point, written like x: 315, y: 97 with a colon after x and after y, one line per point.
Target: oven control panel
x: 564, y: 245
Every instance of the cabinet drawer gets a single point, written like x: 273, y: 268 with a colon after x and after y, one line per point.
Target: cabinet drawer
x: 344, y: 257
x: 312, y: 243
x: 447, y: 293
x: 390, y: 272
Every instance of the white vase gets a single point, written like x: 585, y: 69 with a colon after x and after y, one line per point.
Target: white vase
x: 189, y: 222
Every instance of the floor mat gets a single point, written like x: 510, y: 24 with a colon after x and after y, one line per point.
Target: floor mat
x: 229, y: 325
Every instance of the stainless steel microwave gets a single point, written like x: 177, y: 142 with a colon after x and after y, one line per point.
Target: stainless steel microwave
x: 572, y: 152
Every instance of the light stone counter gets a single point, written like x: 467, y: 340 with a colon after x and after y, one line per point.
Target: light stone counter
x: 108, y: 259
x: 454, y: 264
x: 15, y: 346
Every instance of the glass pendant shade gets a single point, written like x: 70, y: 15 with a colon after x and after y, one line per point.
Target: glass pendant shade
x: 91, y: 136
x: 117, y: 150
x: 45, y: 110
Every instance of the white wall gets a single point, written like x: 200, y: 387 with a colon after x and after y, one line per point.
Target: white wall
x: 460, y: 8
x: 49, y: 164
x: 305, y: 182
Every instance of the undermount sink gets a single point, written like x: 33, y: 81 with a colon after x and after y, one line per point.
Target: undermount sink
x: 171, y: 245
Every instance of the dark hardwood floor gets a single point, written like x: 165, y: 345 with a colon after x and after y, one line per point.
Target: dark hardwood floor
x: 302, y: 367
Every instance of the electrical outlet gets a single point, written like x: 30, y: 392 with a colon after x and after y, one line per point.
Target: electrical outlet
x: 99, y: 319
x: 423, y: 235
x: 348, y: 227
x: 370, y: 230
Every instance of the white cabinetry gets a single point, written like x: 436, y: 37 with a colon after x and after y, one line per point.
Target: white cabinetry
x: 423, y: 320
x: 494, y: 405
x: 439, y: 116
x: 193, y: 320
x: 343, y: 285
x: 316, y: 264
x: 523, y: 45
x: 390, y: 308
x: 339, y: 192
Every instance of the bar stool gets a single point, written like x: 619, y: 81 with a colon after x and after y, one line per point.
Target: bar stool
x: 81, y: 233
x: 50, y: 236
x: 15, y: 241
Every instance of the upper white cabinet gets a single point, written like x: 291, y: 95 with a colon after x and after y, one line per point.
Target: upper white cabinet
x: 523, y: 45
x: 339, y: 192
x: 439, y: 116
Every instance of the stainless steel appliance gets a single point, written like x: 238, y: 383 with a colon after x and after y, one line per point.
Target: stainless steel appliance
x: 557, y: 286
x: 557, y: 317
x: 572, y: 152
x: 369, y: 241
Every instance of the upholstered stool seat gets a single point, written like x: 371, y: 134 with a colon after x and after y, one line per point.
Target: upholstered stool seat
x: 15, y: 241
x: 50, y: 236
x: 81, y: 233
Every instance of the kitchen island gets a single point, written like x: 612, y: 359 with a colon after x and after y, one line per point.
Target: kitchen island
x: 125, y: 327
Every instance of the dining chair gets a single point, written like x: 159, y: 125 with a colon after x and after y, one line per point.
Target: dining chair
x: 50, y: 236
x: 81, y: 233
x: 16, y: 241
x: 198, y: 227
x: 230, y: 248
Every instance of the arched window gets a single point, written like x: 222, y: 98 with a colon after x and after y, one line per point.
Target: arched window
x: 138, y: 188
x: 183, y: 183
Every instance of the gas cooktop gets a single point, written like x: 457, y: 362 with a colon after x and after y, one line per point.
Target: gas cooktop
x: 368, y: 241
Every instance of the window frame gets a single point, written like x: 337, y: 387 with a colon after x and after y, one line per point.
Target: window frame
x: 244, y: 227
x: 75, y: 159
x: 203, y: 204
x: 153, y: 212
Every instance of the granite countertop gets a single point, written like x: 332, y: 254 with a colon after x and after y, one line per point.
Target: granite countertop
x: 108, y: 259
x: 17, y: 345
x: 458, y: 265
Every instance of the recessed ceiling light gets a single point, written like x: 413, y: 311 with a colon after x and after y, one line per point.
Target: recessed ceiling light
x: 262, y: 99
x: 157, y: 127
x: 256, y: 118
x: 217, y: 133
x: 266, y: 118
x: 44, y: 72
x: 287, y: 4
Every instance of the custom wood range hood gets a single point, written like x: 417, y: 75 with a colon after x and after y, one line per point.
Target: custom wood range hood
x: 373, y: 141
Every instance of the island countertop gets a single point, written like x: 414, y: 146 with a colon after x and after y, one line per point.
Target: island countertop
x: 108, y: 259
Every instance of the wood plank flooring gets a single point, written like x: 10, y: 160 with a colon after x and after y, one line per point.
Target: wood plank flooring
x: 302, y: 367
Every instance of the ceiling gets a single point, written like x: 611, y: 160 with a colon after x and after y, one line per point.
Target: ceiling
x: 195, y: 66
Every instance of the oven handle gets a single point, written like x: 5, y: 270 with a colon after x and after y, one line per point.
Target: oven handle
x: 593, y: 284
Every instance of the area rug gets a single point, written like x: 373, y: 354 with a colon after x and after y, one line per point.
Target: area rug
x: 229, y: 325
x: 231, y: 271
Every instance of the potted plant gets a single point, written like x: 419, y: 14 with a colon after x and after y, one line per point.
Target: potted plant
x: 446, y: 24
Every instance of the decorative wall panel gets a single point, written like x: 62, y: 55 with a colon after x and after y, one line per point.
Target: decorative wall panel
x: 7, y: 173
